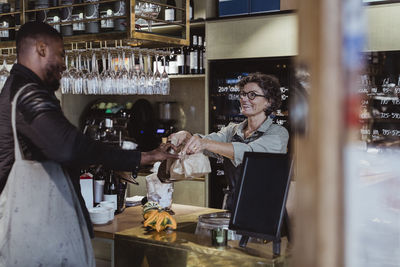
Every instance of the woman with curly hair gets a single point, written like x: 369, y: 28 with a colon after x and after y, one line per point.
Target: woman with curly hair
x: 260, y: 95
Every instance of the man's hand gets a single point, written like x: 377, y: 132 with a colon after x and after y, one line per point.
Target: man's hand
x: 159, y: 154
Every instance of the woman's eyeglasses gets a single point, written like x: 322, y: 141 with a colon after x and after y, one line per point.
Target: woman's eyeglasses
x: 250, y: 95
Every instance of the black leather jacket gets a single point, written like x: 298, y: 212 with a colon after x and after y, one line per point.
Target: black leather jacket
x: 45, y: 134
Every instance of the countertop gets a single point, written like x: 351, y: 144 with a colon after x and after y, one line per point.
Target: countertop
x: 132, y: 217
x: 182, y: 247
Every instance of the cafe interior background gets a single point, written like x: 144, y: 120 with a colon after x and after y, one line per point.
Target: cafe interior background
x: 344, y: 121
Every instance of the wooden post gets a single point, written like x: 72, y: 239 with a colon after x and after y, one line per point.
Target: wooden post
x: 318, y: 230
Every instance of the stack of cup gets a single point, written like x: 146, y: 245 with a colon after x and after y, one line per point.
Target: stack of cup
x: 103, y: 213
x: 99, y: 215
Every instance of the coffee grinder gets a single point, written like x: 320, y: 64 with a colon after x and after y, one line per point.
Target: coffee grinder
x: 167, y: 112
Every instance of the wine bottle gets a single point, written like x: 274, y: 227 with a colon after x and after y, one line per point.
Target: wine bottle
x: 194, y: 57
x: 186, y: 52
x: 66, y: 17
x: 169, y: 12
x: 121, y: 189
x: 110, y: 189
x: 201, y: 55
x: 92, y: 12
x: 106, y: 11
x: 204, y: 57
x: 6, y: 22
x: 173, y: 64
x: 53, y: 16
x: 78, y: 14
x: 180, y: 59
x: 191, y: 10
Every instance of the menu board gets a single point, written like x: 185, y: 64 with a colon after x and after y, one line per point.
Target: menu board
x: 380, y: 100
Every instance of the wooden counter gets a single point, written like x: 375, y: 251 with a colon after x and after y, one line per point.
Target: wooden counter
x: 177, y: 248
x: 132, y: 217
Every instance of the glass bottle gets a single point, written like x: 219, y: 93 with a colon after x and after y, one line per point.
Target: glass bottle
x: 110, y: 189
x: 201, y: 56
x: 194, y: 57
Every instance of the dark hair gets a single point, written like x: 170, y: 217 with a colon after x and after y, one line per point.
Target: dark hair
x: 270, y: 87
x: 35, y: 30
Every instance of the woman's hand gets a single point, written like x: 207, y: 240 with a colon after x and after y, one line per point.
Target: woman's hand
x: 179, y: 138
x: 194, y: 145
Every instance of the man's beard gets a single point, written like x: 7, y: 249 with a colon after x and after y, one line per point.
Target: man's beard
x: 51, y: 81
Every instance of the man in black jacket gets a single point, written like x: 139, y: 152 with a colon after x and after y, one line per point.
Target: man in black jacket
x: 43, y: 131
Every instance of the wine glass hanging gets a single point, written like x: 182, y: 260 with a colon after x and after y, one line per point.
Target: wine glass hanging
x: 114, y: 70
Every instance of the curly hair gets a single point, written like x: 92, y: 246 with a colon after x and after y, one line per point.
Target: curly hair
x: 270, y: 87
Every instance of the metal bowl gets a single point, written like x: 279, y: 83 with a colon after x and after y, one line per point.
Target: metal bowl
x: 216, y: 220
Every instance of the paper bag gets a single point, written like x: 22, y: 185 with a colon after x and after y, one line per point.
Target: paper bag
x: 159, y: 192
x: 192, y: 166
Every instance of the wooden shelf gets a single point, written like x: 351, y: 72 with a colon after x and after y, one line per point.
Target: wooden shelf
x: 131, y: 35
x: 187, y: 76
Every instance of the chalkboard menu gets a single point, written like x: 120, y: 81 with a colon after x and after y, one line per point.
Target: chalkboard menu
x: 380, y: 100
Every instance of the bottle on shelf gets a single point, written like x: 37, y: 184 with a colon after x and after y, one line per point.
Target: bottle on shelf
x: 6, y: 22
x: 180, y: 59
x: 53, y: 16
x: 92, y: 12
x: 191, y: 10
x: 66, y: 17
x: 173, y: 63
x: 186, y: 52
x: 120, y: 10
x: 169, y: 12
x: 106, y: 11
x: 121, y: 189
x: 201, y: 55
x: 110, y: 189
x: 99, y: 182
x: 78, y: 14
x: 194, y: 57
x: 204, y: 55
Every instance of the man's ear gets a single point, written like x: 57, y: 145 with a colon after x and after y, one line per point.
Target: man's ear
x: 41, y: 48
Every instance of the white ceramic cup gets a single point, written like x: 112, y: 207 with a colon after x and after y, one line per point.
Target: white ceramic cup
x: 109, y: 205
x: 99, y: 215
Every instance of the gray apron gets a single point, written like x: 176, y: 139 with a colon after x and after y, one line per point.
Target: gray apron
x: 41, y: 221
x: 233, y: 173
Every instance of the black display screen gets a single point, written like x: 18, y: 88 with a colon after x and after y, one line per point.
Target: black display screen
x: 261, y: 194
